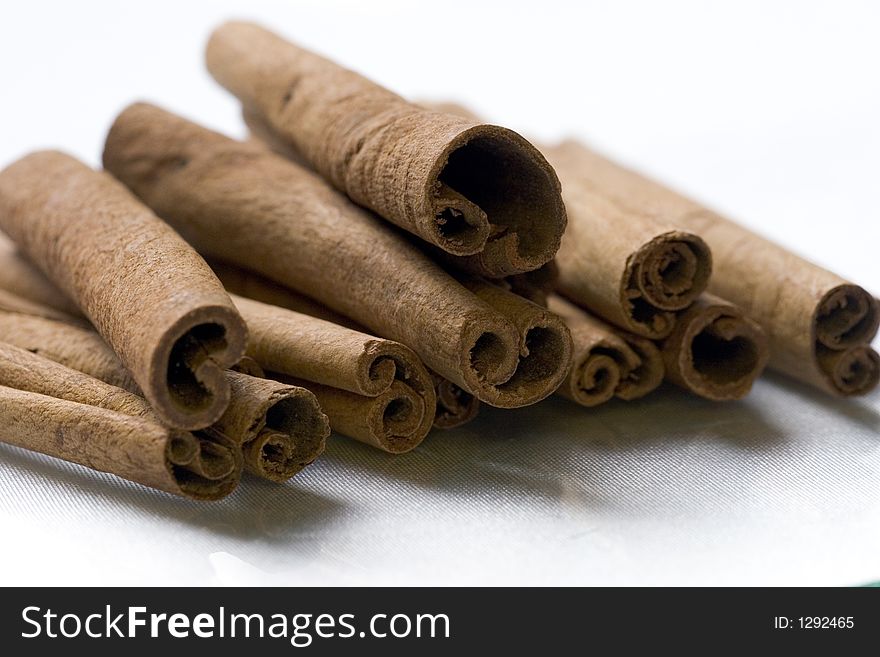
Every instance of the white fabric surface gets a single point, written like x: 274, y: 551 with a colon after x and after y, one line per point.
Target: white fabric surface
x: 767, y: 110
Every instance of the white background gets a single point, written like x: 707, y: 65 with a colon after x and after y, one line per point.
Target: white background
x: 768, y: 111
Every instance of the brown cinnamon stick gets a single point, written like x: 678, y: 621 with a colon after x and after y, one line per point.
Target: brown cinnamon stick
x: 341, y: 359
x: 474, y: 190
x: 52, y: 409
x: 280, y: 428
x: 632, y: 270
x: 604, y: 364
x: 246, y: 205
x: 147, y: 292
x: 286, y: 419
x: 819, y: 325
x: 715, y: 351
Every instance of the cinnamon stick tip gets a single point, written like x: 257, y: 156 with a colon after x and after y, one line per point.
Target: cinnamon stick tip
x: 846, y: 316
x: 187, y: 380
x: 508, y: 193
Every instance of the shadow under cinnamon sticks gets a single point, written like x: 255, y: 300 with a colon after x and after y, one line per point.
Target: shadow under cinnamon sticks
x: 525, y: 453
x: 262, y: 510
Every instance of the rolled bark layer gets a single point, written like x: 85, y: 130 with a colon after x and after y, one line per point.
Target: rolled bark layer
x: 247, y: 206
x: 715, y: 351
x: 70, y: 415
x: 281, y: 428
x: 152, y: 298
x: 803, y: 308
x: 603, y: 363
x: 477, y: 191
x: 631, y: 269
x: 336, y: 359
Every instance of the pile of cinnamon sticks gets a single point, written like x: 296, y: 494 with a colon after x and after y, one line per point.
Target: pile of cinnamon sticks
x: 365, y: 264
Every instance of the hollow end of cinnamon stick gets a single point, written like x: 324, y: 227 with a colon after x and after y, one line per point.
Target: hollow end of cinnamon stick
x: 850, y: 372
x: 187, y: 378
x: 455, y: 406
x: 206, y: 465
x: 716, y: 351
x: 846, y: 316
x: 495, y: 198
x: 519, y: 363
x: 294, y: 434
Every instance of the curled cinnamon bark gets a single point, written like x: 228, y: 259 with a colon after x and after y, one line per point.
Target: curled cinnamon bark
x: 803, y: 308
x: 72, y: 416
x: 281, y: 428
x: 340, y: 365
x: 715, y: 351
x: 604, y: 364
x: 630, y: 269
x: 152, y: 298
x: 245, y: 205
x: 477, y: 191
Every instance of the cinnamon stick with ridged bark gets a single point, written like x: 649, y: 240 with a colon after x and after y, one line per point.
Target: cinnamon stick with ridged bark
x: 715, y: 351
x: 605, y: 362
x: 64, y: 413
x: 630, y: 269
x: 243, y: 204
x: 455, y: 406
x: 376, y: 391
x: 819, y: 325
x: 477, y: 191
x: 280, y: 428
x: 152, y: 298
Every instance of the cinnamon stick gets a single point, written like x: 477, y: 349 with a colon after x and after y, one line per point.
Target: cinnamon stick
x: 819, y: 325
x: 477, y: 191
x: 604, y: 364
x: 630, y: 269
x: 715, y: 351
x: 147, y: 292
x: 61, y: 412
x: 286, y: 422
x: 340, y: 366
x: 243, y: 204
